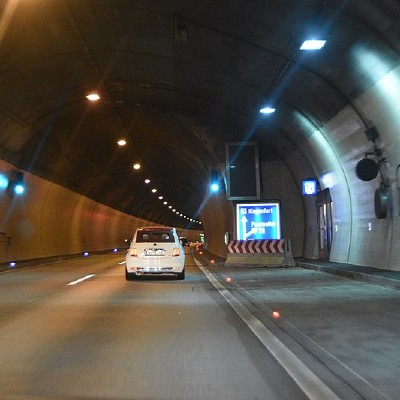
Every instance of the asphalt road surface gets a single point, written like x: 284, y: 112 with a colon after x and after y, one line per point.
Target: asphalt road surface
x: 78, y: 330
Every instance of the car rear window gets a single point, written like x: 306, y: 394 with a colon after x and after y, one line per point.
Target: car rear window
x: 155, y: 236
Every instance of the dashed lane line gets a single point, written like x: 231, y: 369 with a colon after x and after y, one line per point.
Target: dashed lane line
x: 81, y: 280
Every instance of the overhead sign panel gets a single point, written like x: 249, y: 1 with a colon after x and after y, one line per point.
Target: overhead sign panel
x: 242, y: 171
x: 258, y: 221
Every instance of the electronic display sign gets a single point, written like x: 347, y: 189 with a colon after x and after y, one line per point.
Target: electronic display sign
x: 242, y: 171
x: 258, y: 221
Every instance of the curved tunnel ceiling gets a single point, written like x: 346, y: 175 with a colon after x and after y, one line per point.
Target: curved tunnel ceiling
x: 177, y: 80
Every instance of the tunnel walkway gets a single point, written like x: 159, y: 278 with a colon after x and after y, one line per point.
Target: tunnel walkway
x: 358, y: 272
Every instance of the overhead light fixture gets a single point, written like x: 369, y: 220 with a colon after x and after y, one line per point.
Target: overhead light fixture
x: 93, y: 96
x: 313, y: 44
x: 121, y: 142
x: 136, y: 166
x: 147, y: 181
x: 154, y: 190
x: 267, y: 110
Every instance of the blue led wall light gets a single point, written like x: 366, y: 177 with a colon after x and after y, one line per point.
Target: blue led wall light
x: 16, y: 185
x: 214, y: 182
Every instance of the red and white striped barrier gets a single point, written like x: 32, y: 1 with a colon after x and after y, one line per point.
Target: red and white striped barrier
x: 267, y: 252
x: 257, y: 246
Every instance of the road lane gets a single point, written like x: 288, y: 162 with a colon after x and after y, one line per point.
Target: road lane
x: 309, y: 382
x: 344, y: 330
x: 106, y: 338
x: 159, y: 338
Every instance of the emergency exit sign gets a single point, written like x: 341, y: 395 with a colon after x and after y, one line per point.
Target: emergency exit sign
x: 258, y: 221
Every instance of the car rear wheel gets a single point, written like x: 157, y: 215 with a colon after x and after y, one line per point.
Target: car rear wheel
x: 129, y: 276
x: 181, y: 275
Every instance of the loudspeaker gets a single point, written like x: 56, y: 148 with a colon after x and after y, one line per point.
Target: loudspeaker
x: 367, y: 169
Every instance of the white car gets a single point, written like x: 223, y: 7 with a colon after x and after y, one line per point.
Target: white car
x: 155, y: 250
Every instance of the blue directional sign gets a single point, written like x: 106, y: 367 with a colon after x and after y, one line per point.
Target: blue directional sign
x: 258, y: 221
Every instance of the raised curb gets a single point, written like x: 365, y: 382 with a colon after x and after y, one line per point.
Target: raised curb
x: 385, y: 278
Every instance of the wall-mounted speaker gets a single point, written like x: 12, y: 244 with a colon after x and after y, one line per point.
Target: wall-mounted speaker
x: 367, y: 169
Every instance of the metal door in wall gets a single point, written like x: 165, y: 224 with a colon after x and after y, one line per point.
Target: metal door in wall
x: 325, y: 222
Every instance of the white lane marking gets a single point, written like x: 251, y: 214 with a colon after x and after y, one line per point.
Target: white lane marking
x: 308, y: 382
x: 80, y: 279
x: 32, y: 300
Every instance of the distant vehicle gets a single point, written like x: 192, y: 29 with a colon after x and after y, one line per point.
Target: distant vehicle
x: 155, y: 250
x: 185, y: 241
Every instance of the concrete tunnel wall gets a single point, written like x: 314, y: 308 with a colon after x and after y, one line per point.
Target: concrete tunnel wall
x: 334, y: 151
x: 331, y: 153
x: 49, y: 220
x: 278, y: 183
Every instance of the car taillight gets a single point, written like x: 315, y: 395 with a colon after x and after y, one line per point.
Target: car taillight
x: 176, y: 252
x: 133, y: 252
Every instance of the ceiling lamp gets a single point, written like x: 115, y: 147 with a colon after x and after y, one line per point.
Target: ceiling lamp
x: 313, y: 44
x: 121, y: 142
x: 267, y: 110
x: 93, y: 96
x: 136, y: 166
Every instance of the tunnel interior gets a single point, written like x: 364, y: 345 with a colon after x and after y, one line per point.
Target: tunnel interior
x: 177, y: 81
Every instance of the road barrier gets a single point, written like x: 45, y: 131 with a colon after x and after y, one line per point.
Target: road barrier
x: 267, y: 252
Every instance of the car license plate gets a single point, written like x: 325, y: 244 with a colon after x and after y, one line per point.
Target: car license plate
x: 154, y: 252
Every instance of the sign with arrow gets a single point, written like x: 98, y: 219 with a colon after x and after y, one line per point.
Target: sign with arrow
x: 258, y: 221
